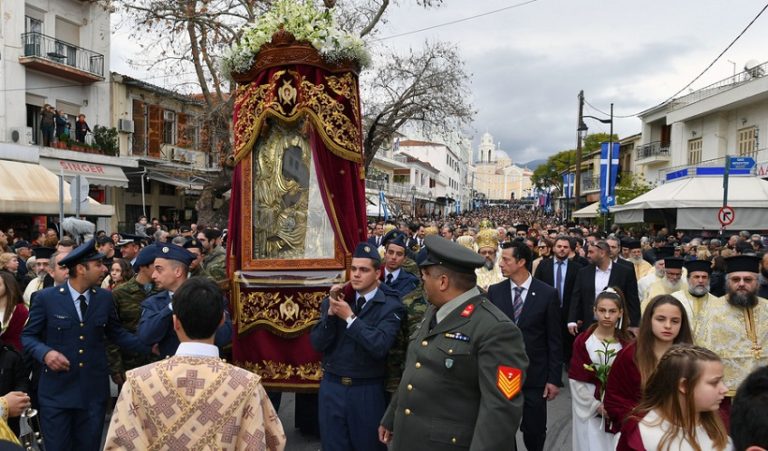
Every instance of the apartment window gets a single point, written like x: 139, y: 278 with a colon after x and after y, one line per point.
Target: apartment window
x: 169, y: 127
x: 694, y: 151
x: 748, y: 142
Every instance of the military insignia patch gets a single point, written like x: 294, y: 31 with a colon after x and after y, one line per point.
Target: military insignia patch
x: 509, y: 380
x: 367, y: 249
x: 166, y: 250
x: 468, y: 310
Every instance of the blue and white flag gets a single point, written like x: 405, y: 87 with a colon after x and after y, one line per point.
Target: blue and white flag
x: 458, y: 207
x: 384, y: 207
x: 568, y: 179
x: 608, y: 187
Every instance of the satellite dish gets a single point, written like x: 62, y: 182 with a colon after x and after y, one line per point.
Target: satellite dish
x: 753, y: 68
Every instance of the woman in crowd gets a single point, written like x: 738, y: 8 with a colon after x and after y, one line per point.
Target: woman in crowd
x: 608, y: 333
x: 13, y: 311
x: 9, y: 262
x: 679, y: 409
x: 663, y: 324
x: 120, y: 272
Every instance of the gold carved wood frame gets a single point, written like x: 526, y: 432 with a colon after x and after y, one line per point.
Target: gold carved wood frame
x: 251, y: 261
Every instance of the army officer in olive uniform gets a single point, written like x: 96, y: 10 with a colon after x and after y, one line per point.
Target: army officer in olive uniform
x: 464, y: 368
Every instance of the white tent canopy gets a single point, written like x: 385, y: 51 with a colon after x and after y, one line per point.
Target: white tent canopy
x: 588, y: 212
x: 693, y: 203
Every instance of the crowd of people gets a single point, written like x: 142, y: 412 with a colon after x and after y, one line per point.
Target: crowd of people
x: 450, y: 332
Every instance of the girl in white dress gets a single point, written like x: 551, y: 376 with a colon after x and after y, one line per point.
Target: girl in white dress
x: 679, y: 408
x: 589, y: 433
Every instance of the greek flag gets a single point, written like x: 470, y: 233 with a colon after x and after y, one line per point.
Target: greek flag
x: 568, y: 179
x: 384, y: 206
x: 608, y: 187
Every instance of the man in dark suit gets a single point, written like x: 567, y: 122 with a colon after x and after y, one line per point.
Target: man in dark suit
x: 592, y: 279
x: 535, y: 307
x: 614, y: 252
x: 560, y: 272
x: 377, y: 239
x: 66, y: 333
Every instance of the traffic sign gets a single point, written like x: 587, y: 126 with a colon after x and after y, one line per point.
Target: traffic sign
x: 742, y: 163
x: 726, y: 215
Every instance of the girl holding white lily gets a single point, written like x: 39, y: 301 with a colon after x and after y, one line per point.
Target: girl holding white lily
x: 593, y: 353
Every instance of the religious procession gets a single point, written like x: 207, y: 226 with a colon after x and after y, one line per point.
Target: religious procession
x: 283, y: 236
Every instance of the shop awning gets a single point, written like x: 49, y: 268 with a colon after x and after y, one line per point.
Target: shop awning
x: 96, y: 173
x: 34, y: 190
x: 590, y: 211
x: 191, y: 183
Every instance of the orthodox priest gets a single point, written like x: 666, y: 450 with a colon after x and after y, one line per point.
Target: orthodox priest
x: 735, y: 326
x: 194, y: 400
x: 487, y: 241
x: 696, y: 298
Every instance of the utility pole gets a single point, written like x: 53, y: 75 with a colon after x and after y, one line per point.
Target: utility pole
x: 577, y: 175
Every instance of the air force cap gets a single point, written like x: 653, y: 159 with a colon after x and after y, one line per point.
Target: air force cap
x: 172, y: 251
x: 451, y: 255
x: 365, y: 250
x: 146, y: 257
x: 86, y: 252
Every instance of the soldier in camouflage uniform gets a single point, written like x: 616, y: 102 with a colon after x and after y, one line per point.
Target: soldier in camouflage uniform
x: 128, y: 298
x: 215, y: 260
x: 196, y: 268
x: 397, y: 260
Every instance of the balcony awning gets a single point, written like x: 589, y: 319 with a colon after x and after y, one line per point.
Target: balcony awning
x: 590, y: 211
x: 34, y: 190
x: 96, y: 173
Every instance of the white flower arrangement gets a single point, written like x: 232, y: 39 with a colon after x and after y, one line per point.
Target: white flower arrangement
x: 305, y: 22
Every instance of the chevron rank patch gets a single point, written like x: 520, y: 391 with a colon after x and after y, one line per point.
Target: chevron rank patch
x: 468, y: 310
x: 509, y: 381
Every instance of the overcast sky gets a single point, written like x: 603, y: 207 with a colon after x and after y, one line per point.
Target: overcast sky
x: 528, y: 63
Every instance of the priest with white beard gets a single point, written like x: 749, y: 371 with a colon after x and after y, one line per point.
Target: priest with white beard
x: 697, y: 298
x: 672, y: 281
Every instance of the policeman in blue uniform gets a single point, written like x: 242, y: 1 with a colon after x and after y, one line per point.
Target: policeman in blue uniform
x: 355, y: 334
x: 66, y: 333
x: 396, y: 253
x: 171, y: 267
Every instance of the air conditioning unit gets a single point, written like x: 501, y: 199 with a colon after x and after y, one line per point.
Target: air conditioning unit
x: 21, y: 135
x: 125, y: 125
x: 169, y: 116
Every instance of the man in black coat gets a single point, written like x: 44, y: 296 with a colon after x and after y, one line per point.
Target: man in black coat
x: 548, y: 271
x: 592, y: 279
x: 535, y: 307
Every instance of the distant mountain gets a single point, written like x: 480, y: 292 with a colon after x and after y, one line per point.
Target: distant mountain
x: 532, y: 165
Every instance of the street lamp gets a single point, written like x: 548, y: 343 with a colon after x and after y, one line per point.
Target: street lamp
x: 380, y: 182
x: 609, y: 163
x: 413, y: 200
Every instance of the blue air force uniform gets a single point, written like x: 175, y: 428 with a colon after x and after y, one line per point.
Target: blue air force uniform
x: 351, y: 397
x: 73, y: 402
x: 156, y: 324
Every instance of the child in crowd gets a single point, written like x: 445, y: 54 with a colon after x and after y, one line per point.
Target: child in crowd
x: 663, y: 324
x: 679, y: 409
x: 609, y: 332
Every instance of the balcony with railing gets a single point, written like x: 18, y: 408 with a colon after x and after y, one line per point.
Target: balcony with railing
x: 56, y: 57
x: 590, y: 184
x: 653, y: 152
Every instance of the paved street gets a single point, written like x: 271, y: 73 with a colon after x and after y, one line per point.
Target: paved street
x: 558, y: 425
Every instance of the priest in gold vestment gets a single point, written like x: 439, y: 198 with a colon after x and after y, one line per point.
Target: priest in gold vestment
x: 672, y: 281
x: 194, y: 400
x: 736, y: 326
x: 487, y: 241
x: 696, y: 298
x: 642, y: 267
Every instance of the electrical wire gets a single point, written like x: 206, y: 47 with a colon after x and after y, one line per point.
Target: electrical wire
x: 453, y: 22
x: 717, y: 58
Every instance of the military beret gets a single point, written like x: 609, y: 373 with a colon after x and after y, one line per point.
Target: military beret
x: 171, y: 251
x: 739, y: 263
x: 395, y: 237
x: 212, y: 234
x: 698, y: 265
x: 21, y: 243
x: 146, y: 257
x: 102, y: 240
x: 365, y: 250
x: 451, y: 255
x: 43, y: 252
x: 673, y: 263
x: 192, y: 242
x: 86, y: 252
x: 185, y: 228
